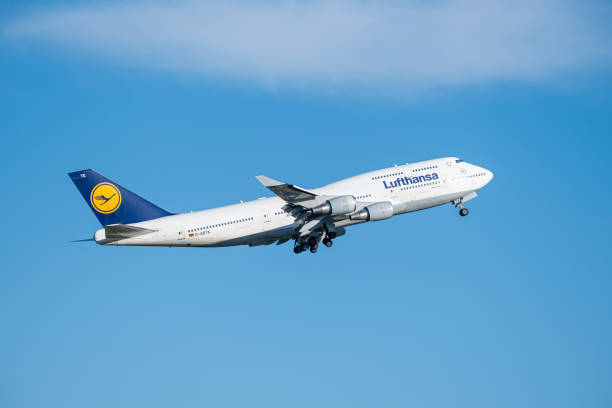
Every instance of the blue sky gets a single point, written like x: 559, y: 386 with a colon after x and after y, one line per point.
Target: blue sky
x: 507, y: 307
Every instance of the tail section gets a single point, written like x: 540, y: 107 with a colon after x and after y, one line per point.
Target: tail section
x: 110, y: 202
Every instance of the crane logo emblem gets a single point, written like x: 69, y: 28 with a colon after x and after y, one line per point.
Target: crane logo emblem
x: 105, y: 198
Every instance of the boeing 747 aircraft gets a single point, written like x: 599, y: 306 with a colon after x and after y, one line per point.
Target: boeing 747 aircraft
x: 306, y: 216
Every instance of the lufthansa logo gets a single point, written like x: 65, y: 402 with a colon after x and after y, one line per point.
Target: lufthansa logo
x: 105, y: 198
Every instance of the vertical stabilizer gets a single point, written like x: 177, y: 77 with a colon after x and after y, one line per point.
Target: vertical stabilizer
x: 112, y: 203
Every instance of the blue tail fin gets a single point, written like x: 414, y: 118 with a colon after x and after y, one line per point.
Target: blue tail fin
x: 110, y: 202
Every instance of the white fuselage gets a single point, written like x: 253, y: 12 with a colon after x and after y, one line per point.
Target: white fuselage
x: 264, y: 221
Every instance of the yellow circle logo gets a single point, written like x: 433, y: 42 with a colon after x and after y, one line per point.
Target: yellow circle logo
x: 105, y: 198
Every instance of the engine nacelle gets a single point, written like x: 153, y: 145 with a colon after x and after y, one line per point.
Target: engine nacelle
x: 335, y: 206
x: 374, y: 212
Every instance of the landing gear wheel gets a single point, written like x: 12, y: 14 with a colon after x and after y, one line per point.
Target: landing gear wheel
x: 297, y: 249
x: 313, y: 243
x: 463, y: 212
x: 327, y: 242
x: 303, y: 246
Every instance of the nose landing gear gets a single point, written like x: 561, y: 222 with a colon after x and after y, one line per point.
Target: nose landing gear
x: 459, y: 204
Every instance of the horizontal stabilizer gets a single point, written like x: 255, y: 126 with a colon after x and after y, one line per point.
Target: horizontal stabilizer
x: 287, y: 192
x: 121, y: 231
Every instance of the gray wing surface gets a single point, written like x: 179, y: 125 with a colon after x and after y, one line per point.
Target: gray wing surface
x: 288, y: 192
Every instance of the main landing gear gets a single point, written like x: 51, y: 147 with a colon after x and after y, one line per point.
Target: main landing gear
x: 312, y: 243
x: 462, y: 210
x: 300, y: 246
x: 329, y: 236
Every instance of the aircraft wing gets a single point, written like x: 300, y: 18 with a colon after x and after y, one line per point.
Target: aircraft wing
x: 299, y: 203
x: 288, y: 192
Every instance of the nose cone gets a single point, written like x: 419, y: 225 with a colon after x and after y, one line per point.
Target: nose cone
x: 486, y: 176
x: 489, y: 175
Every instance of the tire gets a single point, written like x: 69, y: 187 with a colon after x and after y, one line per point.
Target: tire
x: 313, y: 249
x: 463, y: 212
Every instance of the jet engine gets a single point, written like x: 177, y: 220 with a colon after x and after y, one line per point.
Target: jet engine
x: 374, y: 212
x: 335, y: 206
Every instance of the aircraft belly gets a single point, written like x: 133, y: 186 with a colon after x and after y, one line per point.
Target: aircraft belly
x: 282, y: 232
x: 422, y: 202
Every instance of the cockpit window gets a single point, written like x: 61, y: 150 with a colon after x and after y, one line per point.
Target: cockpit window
x: 458, y: 161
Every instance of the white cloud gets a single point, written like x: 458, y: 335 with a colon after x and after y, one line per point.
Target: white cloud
x: 323, y: 43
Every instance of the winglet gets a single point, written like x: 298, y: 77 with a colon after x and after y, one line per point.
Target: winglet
x: 287, y: 192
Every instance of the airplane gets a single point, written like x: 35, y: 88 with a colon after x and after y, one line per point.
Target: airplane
x: 306, y: 216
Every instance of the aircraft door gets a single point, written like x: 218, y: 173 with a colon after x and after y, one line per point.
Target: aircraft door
x: 267, y: 216
x: 181, y: 233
